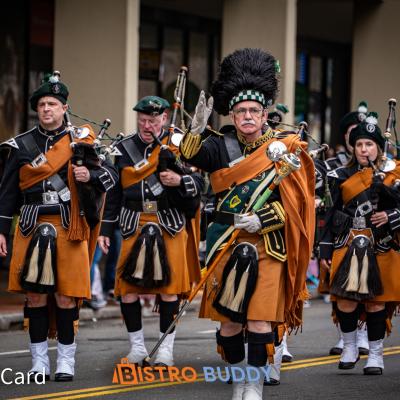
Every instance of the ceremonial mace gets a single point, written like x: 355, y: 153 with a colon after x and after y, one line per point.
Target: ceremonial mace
x: 289, y: 162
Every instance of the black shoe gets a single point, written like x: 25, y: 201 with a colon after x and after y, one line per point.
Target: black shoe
x: 271, y: 382
x: 335, y: 351
x: 161, y: 365
x: 34, y: 373
x: 348, y: 364
x: 286, y: 359
x: 373, y: 371
x: 62, y: 377
x: 363, y: 351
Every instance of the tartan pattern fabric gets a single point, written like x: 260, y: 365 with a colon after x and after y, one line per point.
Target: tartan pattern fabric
x: 248, y: 95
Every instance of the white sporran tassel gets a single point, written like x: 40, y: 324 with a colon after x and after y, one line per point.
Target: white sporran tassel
x: 140, y: 262
x: 47, y: 277
x: 228, y: 293
x: 33, y: 265
x: 364, y: 276
x: 158, y: 276
x: 352, y: 280
x: 237, y: 302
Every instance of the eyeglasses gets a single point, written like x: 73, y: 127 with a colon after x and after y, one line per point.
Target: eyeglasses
x: 151, y: 122
x: 254, y: 111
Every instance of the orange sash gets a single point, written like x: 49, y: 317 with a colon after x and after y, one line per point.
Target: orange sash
x: 57, y: 157
x: 362, y: 180
x: 246, y: 169
x: 130, y: 175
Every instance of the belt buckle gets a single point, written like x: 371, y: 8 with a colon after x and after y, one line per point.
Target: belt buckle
x: 140, y: 164
x: 50, y: 198
x: 39, y: 160
x: 359, y: 223
x: 65, y: 194
x: 364, y: 208
x: 150, y: 206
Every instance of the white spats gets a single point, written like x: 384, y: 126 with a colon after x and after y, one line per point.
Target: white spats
x: 362, y: 339
x: 138, y: 350
x: 374, y: 364
x: 165, y: 351
x: 66, y: 358
x: 253, y: 390
x: 349, y: 355
x: 40, y: 359
x: 238, y: 389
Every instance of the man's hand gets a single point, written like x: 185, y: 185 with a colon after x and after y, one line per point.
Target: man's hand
x: 82, y: 174
x: 324, y: 263
x: 202, y: 113
x: 379, y: 218
x: 170, y: 178
x: 104, y: 243
x: 3, y: 245
x: 249, y: 222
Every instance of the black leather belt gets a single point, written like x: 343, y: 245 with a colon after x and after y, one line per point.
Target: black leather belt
x: 47, y: 198
x: 224, y: 218
x: 145, y: 206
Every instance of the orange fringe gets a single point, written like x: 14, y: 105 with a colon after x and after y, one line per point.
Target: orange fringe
x: 78, y: 227
x: 220, y: 351
x: 270, y: 352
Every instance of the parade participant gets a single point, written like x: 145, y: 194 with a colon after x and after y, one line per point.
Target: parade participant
x: 346, y: 124
x: 53, y: 241
x: 323, y: 171
x: 275, y: 117
x: 155, y: 203
x: 359, y: 246
x: 273, y: 247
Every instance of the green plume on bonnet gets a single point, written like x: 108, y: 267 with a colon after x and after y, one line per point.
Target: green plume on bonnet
x: 363, y: 107
x: 282, y: 108
x: 372, y: 117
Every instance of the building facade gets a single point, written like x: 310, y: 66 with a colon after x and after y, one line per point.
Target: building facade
x: 332, y: 53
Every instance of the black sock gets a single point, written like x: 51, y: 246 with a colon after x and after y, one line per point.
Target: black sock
x: 233, y: 347
x: 257, y: 350
x: 38, y: 323
x: 65, y: 318
x: 376, y: 325
x: 348, y: 320
x: 168, y: 310
x: 132, y: 313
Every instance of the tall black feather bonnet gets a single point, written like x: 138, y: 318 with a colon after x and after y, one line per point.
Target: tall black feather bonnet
x: 246, y: 74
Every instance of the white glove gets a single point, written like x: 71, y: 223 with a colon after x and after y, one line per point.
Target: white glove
x: 250, y: 222
x: 202, y: 113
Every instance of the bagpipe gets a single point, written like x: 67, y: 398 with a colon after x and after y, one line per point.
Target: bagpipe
x: 91, y: 155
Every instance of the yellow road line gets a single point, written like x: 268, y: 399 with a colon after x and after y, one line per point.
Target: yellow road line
x: 102, y: 389
x: 128, y: 389
x: 333, y: 359
x: 111, y: 389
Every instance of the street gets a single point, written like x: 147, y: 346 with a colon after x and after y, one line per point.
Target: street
x: 312, y: 375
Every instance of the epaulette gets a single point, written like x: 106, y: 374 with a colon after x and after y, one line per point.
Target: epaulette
x: 12, y: 142
x: 338, y: 173
x: 131, y: 135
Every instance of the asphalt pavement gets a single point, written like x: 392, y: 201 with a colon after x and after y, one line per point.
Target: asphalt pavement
x: 313, y: 374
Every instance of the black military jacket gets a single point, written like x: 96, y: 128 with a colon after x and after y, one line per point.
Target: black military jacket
x: 342, y: 217
x: 124, y: 206
x: 13, y: 200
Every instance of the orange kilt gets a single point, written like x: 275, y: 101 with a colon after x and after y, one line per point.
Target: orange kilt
x: 268, y: 300
x: 73, y: 267
x: 388, y: 267
x: 177, y: 259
